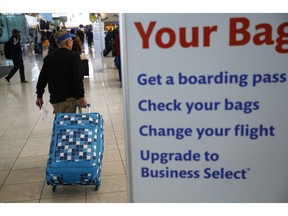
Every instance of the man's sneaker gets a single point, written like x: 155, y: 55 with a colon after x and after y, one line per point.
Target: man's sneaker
x: 24, y: 81
x: 7, y: 81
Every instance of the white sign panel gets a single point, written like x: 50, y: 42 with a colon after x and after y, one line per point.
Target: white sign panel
x: 98, y: 36
x: 206, y: 107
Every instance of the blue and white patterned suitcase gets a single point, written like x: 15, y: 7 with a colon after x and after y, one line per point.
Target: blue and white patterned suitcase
x: 76, y: 150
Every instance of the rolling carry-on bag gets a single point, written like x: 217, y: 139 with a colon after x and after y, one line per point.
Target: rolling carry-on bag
x: 76, y: 150
x: 85, y: 67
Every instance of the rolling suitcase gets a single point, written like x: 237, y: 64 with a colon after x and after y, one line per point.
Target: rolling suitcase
x: 76, y: 150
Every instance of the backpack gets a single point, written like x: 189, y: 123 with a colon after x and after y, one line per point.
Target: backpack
x: 7, y: 50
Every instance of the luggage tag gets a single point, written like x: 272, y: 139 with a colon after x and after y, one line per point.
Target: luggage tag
x: 44, y: 113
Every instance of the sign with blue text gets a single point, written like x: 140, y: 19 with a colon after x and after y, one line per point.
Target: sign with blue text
x: 206, y: 107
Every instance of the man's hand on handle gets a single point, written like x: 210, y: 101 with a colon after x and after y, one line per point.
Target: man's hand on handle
x: 39, y: 102
x: 82, y: 102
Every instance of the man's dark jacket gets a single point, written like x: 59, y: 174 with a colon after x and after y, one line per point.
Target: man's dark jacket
x: 63, y: 71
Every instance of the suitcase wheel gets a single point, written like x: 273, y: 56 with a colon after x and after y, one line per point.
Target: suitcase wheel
x: 54, y: 188
x: 97, y: 185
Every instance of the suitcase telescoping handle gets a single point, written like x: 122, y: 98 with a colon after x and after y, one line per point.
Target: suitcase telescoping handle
x: 87, y: 109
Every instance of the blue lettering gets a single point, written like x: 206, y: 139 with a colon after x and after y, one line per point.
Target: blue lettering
x: 149, y: 105
x: 225, y: 174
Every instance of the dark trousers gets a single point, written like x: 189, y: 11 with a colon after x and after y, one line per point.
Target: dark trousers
x: 119, y: 70
x: 18, y: 65
x: 90, y: 43
x: 117, y: 62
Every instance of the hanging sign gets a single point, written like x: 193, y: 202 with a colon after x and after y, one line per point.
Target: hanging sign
x: 93, y: 17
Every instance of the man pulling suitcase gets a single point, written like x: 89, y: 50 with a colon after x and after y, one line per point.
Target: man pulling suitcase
x: 63, y: 72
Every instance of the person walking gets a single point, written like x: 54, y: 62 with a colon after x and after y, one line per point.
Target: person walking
x: 63, y: 71
x: 117, y: 59
x: 89, y: 36
x: 52, y: 42
x: 77, y: 45
x: 16, y: 56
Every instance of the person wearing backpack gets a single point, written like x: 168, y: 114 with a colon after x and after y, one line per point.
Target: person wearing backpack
x: 16, y: 56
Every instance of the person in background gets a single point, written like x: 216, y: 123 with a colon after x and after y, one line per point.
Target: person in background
x: 53, y: 45
x: 77, y: 45
x: 38, y: 43
x: 62, y: 70
x: 89, y: 36
x: 81, y: 35
x: 117, y: 51
x: 16, y: 55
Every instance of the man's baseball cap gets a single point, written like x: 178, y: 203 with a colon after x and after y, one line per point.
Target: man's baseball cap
x: 63, y: 34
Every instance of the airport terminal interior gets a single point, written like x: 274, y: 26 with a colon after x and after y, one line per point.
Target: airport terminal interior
x: 25, y: 133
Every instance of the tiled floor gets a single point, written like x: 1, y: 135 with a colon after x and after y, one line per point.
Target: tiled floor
x: 25, y: 136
